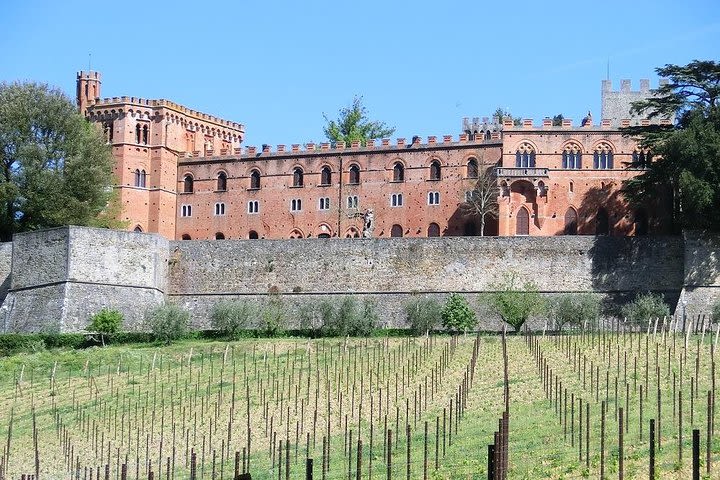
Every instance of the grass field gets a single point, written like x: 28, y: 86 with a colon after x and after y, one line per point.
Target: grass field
x: 153, y: 407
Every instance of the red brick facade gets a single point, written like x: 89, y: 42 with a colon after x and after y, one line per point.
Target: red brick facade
x: 183, y: 174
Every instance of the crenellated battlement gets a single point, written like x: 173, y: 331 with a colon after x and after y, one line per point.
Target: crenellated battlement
x: 626, y: 86
x: 324, y: 148
x: 585, y: 124
x: 163, y: 103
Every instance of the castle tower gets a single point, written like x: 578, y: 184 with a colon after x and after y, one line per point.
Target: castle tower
x: 88, y: 88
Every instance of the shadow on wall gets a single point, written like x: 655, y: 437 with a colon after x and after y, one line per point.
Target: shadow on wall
x: 702, y: 259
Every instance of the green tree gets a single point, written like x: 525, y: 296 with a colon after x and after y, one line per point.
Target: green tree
x: 456, y: 314
x: 55, y: 167
x: 515, y: 302
x: 575, y: 309
x: 645, y: 307
x: 231, y: 317
x: 423, y: 315
x: 106, y: 322
x: 687, y: 154
x: 353, y: 124
x: 503, y: 114
x: 167, y: 322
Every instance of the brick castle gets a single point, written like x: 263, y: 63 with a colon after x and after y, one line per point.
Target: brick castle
x: 184, y: 174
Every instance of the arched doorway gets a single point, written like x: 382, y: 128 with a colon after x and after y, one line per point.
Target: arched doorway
x: 641, y: 222
x: 602, y: 222
x: 253, y: 235
x: 396, y: 231
x: 571, y: 222
x: 522, y: 220
x: 433, y: 230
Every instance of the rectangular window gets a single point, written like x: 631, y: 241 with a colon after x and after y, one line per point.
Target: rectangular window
x: 433, y: 198
x: 396, y: 200
x: 324, y: 203
x: 352, y: 201
x: 295, y: 205
x: 219, y: 208
x: 253, y: 206
x: 186, y: 210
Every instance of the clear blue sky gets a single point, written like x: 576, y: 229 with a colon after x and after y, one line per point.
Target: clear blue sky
x: 420, y: 66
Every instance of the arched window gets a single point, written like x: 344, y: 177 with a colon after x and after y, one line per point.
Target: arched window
x: 143, y: 178
x: 435, y: 170
x: 137, y: 177
x: 603, y: 156
x: 138, y: 229
x: 219, y: 236
x: 396, y: 231
x: 297, y: 177
x: 398, y: 172
x: 186, y: 237
x: 325, y: 176
x: 472, y: 168
x: 138, y: 133
x: 352, y: 232
x: 222, y: 182
x: 188, y: 184
x: 572, y: 156
x: 296, y: 234
x: 641, y: 159
x: 253, y: 235
x: 571, y: 222
x: 525, y: 156
x: 145, y: 134
x: 522, y: 222
x: 602, y: 222
x: 255, y: 180
x: 433, y: 230
x: 354, y: 175
x: 641, y: 222
x: 572, y: 187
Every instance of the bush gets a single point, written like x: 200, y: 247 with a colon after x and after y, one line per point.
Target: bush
x: 576, y: 309
x: 515, y: 303
x: 106, y: 322
x: 314, y: 317
x: 167, y: 322
x: 457, y: 315
x: 230, y: 317
x: 423, y: 315
x: 716, y: 311
x: 348, y: 318
x: 646, y: 306
x: 272, y: 316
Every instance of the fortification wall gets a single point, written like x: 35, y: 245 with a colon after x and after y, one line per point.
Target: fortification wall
x: 391, y: 271
x: 702, y: 273
x: 62, y: 276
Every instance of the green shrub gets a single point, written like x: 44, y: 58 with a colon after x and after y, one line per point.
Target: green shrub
x: 106, y: 322
x: 456, y: 314
x: 167, y: 322
x: 348, y: 318
x: 576, y: 309
x: 312, y: 317
x: 513, y: 302
x: 423, y: 315
x: 366, y: 321
x: 716, y: 311
x: 646, y: 306
x: 230, y: 317
x: 272, y: 316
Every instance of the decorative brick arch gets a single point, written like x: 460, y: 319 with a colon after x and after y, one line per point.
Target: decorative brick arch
x: 324, y: 230
x: 296, y: 233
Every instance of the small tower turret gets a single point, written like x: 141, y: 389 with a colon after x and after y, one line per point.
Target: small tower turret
x: 88, y: 88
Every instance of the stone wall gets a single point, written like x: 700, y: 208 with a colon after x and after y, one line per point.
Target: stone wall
x: 702, y: 273
x: 60, y: 277
x: 389, y: 272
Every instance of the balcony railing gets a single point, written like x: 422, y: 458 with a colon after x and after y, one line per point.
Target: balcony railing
x: 521, y: 172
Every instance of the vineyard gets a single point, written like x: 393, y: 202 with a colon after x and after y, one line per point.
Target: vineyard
x: 608, y: 404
